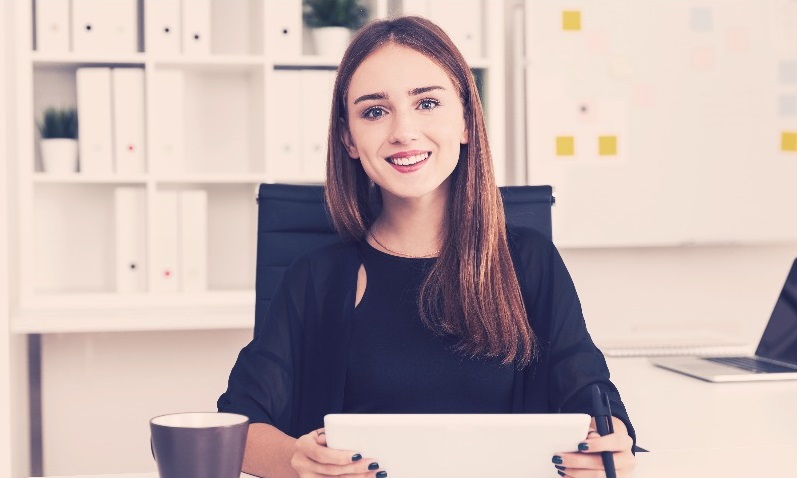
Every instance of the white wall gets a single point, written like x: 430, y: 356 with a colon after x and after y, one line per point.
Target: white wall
x: 678, y: 294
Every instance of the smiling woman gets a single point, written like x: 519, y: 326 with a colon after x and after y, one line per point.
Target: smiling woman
x: 430, y: 304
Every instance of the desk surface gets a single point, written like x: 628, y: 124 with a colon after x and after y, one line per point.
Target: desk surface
x: 728, y: 463
x: 695, y: 428
x: 673, y: 412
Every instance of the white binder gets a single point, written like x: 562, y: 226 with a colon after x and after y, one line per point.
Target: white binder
x: 316, y: 104
x: 284, y: 28
x: 131, y: 239
x: 128, y: 120
x: 196, y: 27
x: 462, y: 21
x: 162, y: 23
x: 284, y: 145
x: 94, y: 113
x: 193, y: 241
x: 167, y: 132
x: 52, y: 26
x: 164, y: 276
x: 103, y: 26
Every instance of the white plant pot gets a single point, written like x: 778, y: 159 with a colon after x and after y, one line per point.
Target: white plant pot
x: 331, y: 41
x: 59, y: 155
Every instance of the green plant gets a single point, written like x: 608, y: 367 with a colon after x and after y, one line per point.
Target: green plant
x: 334, y: 13
x: 58, y: 123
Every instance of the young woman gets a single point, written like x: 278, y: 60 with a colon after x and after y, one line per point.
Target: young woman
x: 429, y: 304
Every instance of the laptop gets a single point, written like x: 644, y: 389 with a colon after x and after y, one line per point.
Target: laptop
x: 459, y: 445
x: 774, y: 359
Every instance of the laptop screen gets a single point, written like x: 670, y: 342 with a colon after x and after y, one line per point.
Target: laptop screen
x: 780, y: 337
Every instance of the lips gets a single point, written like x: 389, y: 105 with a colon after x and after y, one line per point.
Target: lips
x: 408, y: 159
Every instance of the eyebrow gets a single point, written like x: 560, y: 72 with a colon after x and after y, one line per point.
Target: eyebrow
x: 384, y: 96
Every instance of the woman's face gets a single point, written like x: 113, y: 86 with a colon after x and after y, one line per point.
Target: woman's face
x: 405, y: 122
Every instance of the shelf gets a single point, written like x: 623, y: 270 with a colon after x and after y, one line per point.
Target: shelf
x: 112, y: 313
x: 311, y: 61
x: 73, y: 60
x: 113, y: 320
x: 307, y: 61
x: 210, y: 63
x: 199, y: 178
x: 77, y: 178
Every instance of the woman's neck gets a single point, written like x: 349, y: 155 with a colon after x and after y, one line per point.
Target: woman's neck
x: 411, y: 226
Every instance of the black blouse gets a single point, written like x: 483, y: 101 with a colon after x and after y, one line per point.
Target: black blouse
x: 294, y: 372
x: 398, y: 365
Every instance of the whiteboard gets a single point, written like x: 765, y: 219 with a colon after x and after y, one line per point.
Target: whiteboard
x: 661, y: 122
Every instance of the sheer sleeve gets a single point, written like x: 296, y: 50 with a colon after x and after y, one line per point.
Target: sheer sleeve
x: 571, y: 360
x: 262, y: 381
x: 576, y: 363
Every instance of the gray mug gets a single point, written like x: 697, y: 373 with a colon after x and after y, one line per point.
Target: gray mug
x: 199, y: 445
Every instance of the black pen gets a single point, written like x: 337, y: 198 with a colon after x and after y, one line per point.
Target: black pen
x: 603, y: 422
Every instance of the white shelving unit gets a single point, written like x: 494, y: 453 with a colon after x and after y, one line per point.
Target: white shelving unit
x: 65, y: 233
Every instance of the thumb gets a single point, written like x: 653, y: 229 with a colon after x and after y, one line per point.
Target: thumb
x: 321, y: 437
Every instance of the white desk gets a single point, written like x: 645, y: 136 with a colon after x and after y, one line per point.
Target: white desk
x: 698, y: 429
x: 673, y: 412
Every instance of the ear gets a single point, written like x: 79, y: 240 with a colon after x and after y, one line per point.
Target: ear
x: 464, y: 138
x: 348, y: 142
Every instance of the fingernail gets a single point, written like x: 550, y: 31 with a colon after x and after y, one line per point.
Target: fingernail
x: 373, y: 466
x: 583, y: 446
x: 560, y: 467
x: 356, y: 457
x: 557, y: 459
x: 381, y: 474
x: 561, y: 473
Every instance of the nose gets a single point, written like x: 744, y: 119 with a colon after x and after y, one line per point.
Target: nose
x: 404, y: 128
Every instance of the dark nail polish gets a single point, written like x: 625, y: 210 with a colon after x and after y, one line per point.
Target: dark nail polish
x: 583, y: 446
x: 381, y: 474
x: 373, y: 466
x: 356, y: 457
x: 560, y: 467
x: 561, y: 473
x: 557, y: 459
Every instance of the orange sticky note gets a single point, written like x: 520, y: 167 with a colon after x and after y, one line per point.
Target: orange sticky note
x: 607, y: 145
x: 571, y: 20
x: 788, y: 141
x: 565, y: 146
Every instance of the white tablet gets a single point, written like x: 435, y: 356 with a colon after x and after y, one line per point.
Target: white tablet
x: 462, y: 446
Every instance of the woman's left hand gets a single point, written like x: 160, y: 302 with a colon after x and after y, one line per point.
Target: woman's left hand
x: 587, y: 462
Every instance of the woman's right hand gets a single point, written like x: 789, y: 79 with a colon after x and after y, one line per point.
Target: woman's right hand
x: 312, y: 459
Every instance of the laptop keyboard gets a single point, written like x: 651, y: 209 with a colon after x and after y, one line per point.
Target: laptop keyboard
x: 751, y: 364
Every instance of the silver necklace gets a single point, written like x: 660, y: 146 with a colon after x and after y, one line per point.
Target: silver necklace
x: 409, y: 256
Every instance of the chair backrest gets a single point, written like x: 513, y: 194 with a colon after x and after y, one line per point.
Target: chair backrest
x: 293, y: 220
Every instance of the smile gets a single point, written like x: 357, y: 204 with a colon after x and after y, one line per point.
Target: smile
x: 401, y: 160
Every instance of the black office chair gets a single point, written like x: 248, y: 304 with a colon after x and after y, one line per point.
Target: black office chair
x: 292, y: 220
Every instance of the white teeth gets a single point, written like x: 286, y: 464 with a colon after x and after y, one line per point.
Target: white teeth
x: 409, y: 160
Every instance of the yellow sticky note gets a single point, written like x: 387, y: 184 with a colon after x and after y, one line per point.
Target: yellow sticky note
x: 788, y: 141
x: 565, y: 146
x: 607, y: 145
x: 571, y: 20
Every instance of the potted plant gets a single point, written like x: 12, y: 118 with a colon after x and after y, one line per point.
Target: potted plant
x: 332, y: 22
x: 58, y: 129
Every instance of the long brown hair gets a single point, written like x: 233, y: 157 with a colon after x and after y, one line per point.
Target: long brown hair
x: 472, y: 292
